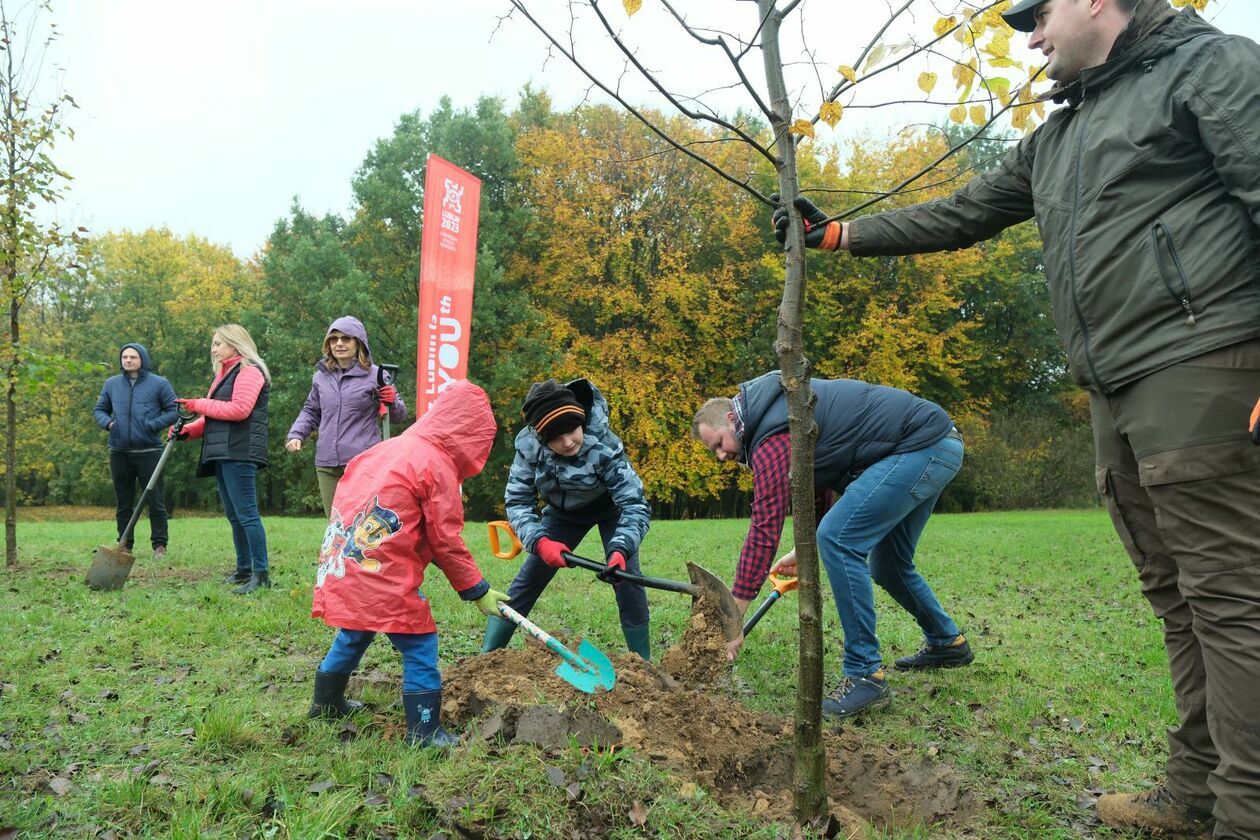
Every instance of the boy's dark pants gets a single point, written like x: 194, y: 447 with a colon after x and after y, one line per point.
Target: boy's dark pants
x: 570, y: 527
x: 1181, y: 480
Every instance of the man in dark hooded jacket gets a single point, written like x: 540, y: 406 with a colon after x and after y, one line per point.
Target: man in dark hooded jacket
x: 136, y: 406
x: 1146, y: 190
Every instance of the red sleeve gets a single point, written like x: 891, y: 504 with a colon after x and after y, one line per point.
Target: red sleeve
x: 249, y: 384
x: 442, y: 512
x: 772, y: 496
x: 195, y: 428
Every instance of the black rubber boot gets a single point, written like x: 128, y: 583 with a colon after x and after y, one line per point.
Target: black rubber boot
x: 424, y: 720
x: 498, y: 633
x: 330, y: 697
x: 236, y: 577
x: 258, y: 580
x: 638, y: 640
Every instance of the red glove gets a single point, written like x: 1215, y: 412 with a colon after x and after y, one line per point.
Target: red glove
x: 188, y: 405
x: 171, y: 434
x: 549, y: 551
x: 616, y: 563
x: 388, y: 395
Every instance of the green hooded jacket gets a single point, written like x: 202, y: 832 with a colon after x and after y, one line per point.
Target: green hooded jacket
x: 1146, y: 190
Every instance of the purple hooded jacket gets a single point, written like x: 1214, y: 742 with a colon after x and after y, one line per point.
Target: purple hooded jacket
x: 342, y: 405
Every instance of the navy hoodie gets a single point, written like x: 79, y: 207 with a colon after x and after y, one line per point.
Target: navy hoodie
x: 141, y: 408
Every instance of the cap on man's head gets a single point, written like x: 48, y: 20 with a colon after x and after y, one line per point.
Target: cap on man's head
x: 1020, y: 15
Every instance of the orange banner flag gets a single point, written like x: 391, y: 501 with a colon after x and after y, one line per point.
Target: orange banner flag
x: 448, y: 263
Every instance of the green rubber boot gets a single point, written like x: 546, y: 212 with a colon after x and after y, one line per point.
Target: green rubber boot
x: 498, y: 633
x: 637, y: 640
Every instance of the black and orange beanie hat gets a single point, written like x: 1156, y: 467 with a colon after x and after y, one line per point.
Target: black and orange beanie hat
x: 551, y: 410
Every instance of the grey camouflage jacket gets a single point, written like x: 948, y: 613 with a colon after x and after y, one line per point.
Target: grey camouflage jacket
x: 599, y: 468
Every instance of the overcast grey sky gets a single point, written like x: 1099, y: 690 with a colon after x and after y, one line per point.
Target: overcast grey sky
x: 209, y: 118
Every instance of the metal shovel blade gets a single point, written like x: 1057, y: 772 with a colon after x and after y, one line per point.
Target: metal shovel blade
x: 110, y: 567
x: 710, y: 587
x: 596, y: 671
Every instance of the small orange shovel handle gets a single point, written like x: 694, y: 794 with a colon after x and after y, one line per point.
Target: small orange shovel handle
x: 496, y: 547
x: 783, y: 585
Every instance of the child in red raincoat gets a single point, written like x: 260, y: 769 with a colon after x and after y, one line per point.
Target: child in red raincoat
x: 396, y: 510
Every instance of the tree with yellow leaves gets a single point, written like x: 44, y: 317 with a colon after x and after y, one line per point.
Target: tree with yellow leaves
x: 33, y: 249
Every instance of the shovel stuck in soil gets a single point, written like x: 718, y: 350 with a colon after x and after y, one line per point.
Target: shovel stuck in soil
x: 111, y: 566
x: 586, y: 670
x: 704, y: 584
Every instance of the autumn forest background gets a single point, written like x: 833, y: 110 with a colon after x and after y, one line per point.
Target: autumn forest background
x: 604, y: 254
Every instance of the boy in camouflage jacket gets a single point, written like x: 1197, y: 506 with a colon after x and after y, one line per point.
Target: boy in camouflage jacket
x: 569, y: 457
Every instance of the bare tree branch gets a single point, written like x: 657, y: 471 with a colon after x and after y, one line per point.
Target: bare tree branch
x: 944, y: 157
x: 640, y: 116
x: 761, y: 25
x: 870, y: 45
x: 721, y: 42
x: 921, y: 188
x: 651, y: 78
x: 845, y: 84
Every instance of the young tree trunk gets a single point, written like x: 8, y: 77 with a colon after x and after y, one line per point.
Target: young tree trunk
x: 809, y: 789
x: 10, y: 264
x: 31, y: 180
x: 10, y: 428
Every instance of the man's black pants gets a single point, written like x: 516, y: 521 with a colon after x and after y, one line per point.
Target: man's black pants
x: 131, y: 469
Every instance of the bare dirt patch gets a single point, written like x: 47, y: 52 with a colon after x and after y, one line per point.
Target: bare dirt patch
x: 675, y: 714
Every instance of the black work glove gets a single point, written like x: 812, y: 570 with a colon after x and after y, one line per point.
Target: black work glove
x: 819, y: 233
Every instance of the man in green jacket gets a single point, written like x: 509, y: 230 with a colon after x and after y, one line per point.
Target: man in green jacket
x: 1146, y: 189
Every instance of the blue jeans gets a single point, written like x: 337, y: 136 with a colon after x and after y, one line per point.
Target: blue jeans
x: 871, y: 533
x: 419, y: 652
x: 570, y: 528
x: 240, y: 502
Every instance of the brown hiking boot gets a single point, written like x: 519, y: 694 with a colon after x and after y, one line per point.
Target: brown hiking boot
x: 1155, y: 811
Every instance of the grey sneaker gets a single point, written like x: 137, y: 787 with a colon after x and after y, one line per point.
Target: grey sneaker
x: 943, y: 656
x: 159, y: 552
x: 856, y: 695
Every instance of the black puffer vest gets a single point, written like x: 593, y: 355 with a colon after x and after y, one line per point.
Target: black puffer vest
x: 244, y: 440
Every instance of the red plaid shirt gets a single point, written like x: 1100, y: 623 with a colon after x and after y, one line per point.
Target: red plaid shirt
x: 772, y: 501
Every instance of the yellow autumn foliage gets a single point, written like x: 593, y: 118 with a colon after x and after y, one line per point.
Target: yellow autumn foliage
x: 830, y: 112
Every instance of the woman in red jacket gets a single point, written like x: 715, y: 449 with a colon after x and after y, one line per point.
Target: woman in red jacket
x: 233, y: 429
x: 397, y: 509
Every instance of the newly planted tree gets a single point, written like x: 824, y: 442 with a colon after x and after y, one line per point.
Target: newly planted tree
x: 32, y: 249
x: 782, y: 101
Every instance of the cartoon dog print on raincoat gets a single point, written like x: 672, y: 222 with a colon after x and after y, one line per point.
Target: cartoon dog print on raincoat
x: 368, y: 530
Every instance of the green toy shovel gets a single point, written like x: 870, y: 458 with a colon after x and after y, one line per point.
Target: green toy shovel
x: 586, y: 670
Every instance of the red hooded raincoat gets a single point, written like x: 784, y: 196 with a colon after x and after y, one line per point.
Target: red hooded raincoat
x: 397, y: 509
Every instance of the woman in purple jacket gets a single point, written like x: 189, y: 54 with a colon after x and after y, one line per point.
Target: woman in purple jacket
x: 343, y: 405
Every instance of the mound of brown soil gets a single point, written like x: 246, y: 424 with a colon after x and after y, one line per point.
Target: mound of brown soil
x: 673, y: 715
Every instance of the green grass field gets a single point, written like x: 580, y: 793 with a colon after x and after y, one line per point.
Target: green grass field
x: 175, y: 709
